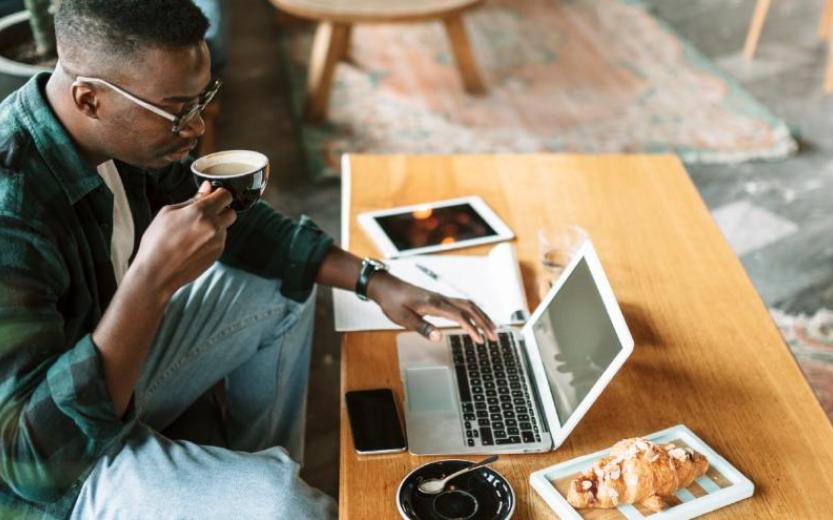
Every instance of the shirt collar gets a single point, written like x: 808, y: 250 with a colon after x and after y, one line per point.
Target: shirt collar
x: 76, y: 177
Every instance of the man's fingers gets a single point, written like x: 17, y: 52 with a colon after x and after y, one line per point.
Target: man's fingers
x: 226, y: 218
x: 463, y: 318
x: 414, y: 322
x: 431, y: 332
x: 470, y: 324
x: 465, y: 313
x: 483, y: 320
x: 479, y: 320
x: 216, y: 201
x: 205, y: 189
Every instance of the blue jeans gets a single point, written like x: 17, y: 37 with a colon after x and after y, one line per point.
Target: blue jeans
x: 226, y: 324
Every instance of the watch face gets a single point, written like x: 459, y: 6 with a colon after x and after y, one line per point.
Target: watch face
x: 377, y: 265
x: 370, y: 266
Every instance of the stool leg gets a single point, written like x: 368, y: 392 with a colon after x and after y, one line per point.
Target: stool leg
x: 463, y: 55
x: 826, y: 20
x: 327, y: 49
x: 758, y: 19
x: 345, y: 56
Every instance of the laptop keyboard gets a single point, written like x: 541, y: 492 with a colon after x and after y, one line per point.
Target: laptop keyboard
x: 496, y: 405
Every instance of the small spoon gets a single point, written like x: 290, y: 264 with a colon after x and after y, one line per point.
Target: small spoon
x: 436, y: 485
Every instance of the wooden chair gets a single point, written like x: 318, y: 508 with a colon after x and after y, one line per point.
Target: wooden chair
x: 757, y: 24
x: 335, y: 22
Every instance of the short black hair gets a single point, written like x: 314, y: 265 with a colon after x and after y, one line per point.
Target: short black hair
x: 120, y: 28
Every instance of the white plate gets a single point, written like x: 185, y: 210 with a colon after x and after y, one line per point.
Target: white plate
x: 720, y: 486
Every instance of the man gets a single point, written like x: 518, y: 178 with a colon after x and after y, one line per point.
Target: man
x: 216, y: 36
x: 125, y: 293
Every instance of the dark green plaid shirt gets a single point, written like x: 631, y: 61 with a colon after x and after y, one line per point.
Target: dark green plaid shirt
x: 56, y: 280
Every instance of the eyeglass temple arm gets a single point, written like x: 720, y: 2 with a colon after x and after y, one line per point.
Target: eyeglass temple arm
x: 131, y: 97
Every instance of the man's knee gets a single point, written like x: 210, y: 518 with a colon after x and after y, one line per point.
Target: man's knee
x: 285, y: 494
x: 154, y: 477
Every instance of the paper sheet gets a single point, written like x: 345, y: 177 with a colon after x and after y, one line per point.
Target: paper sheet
x: 492, y: 281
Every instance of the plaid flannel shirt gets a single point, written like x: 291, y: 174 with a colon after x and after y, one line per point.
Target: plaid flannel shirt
x: 56, y: 280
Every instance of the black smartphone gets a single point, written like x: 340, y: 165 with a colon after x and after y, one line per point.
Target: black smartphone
x: 374, y: 421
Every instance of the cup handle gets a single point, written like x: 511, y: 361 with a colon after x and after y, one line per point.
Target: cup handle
x: 266, y: 172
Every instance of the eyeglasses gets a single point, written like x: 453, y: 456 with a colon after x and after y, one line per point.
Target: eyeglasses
x: 180, y: 120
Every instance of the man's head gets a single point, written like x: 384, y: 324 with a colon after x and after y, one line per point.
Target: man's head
x: 153, y: 50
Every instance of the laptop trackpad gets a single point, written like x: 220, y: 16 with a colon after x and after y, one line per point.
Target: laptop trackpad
x: 429, y: 389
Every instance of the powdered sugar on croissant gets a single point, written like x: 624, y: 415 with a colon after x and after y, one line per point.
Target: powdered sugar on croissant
x: 637, y: 471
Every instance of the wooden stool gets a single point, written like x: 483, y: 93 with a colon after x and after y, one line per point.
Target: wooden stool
x: 332, y: 38
x: 757, y: 25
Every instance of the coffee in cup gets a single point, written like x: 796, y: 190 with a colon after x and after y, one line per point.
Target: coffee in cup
x: 243, y: 173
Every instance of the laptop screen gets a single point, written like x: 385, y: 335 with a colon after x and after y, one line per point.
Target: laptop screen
x: 576, y: 340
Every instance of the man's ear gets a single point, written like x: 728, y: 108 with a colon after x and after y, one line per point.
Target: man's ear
x: 86, y: 99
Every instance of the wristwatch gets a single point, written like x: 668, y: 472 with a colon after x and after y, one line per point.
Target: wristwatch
x: 370, y: 266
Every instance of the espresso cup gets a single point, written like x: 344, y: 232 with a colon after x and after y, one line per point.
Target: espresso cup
x: 242, y: 172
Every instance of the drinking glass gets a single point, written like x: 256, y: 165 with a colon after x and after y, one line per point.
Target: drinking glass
x: 556, y: 247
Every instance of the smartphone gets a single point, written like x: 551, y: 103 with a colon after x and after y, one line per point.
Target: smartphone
x: 374, y: 421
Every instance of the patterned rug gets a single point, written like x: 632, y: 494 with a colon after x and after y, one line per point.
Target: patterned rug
x: 811, y: 340
x: 563, y: 75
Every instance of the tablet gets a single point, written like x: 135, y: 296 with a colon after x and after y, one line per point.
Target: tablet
x: 434, y: 226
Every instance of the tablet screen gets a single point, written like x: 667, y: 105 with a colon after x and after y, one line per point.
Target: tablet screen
x: 427, y: 227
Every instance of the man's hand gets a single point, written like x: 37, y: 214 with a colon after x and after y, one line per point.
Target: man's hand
x: 185, y: 239
x: 406, y: 304
x: 181, y: 242
x: 403, y: 303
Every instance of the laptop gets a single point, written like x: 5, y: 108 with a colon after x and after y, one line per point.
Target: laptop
x: 525, y: 392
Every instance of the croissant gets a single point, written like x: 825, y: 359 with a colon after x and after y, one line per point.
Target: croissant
x: 637, y: 471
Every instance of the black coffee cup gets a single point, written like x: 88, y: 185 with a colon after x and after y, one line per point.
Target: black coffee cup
x: 242, y: 172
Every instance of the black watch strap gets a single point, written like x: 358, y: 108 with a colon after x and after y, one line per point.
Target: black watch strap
x: 370, y: 266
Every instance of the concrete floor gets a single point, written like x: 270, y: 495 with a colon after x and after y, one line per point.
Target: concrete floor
x: 793, y: 268
x: 793, y: 272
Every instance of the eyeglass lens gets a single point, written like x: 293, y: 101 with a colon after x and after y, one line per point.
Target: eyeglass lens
x: 192, y: 113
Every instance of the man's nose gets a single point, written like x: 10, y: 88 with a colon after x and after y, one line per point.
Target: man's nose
x: 194, y: 128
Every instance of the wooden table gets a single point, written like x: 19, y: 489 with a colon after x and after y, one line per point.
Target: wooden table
x: 707, y: 353
x: 332, y: 38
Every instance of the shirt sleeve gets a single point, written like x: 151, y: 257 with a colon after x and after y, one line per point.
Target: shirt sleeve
x: 56, y: 414
x: 266, y: 243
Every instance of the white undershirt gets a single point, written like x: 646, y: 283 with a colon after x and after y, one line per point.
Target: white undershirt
x: 121, y: 244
